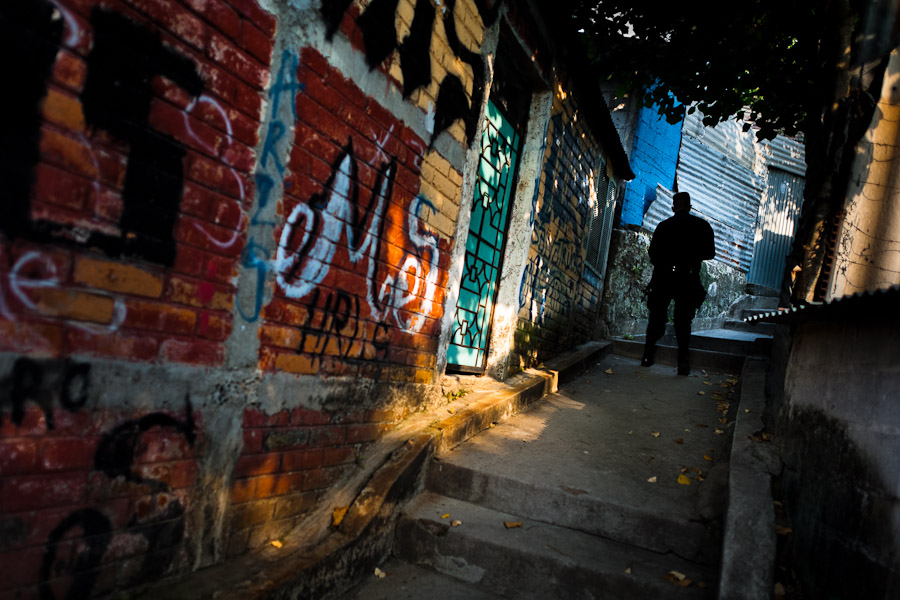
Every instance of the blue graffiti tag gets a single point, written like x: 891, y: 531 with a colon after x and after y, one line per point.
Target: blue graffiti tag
x: 254, y: 255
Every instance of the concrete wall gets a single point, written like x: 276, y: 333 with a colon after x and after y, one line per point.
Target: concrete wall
x: 229, y: 244
x: 841, y: 480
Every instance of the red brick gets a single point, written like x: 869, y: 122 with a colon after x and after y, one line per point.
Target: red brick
x: 184, y: 474
x: 157, y: 316
x: 318, y: 479
x: 314, y: 61
x: 141, y: 348
x: 248, y: 99
x: 298, y: 460
x: 69, y: 70
x: 32, y: 337
x: 250, y: 9
x: 265, y: 486
x: 257, y: 464
x: 243, y: 490
x: 327, y: 436
x: 216, y: 175
x: 215, y: 326
x: 288, y: 483
x: 254, y: 418
x: 253, y: 441
x: 338, y: 456
x: 219, y: 14
x: 331, y: 126
x: 256, y: 43
x: 67, y: 454
x: 17, y: 456
x: 226, y: 54
x: 197, y: 352
x: 30, y: 493
x: 305, y: 416
x: 363, y: 433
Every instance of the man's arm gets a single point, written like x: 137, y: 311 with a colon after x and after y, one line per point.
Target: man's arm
x: 709, y: 242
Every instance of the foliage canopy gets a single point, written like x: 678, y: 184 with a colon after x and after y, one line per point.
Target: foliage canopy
x: 756, y: 60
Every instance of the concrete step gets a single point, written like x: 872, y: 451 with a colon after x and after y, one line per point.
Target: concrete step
x: 400, y: 580
x: 741, y: 325
x: 729, y: 341
x: 536, y: 560
x: 707, y: 360
x: 649, y: 527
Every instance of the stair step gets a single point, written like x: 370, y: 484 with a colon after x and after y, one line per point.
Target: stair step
x: 536, y: 560
x: 659, y: 530
x: 405, y: 581
x: 756, y: 327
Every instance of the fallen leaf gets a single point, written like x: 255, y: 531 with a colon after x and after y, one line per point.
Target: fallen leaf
x: 512, y: 524
x: 628, y: 571
x: 652, y: 479
x: 719, y: 431
x: 587, y: 380
x: 707, y: 383
x: 678, y: 579
x: 337, y: 515
x: 781, y: 530
x: 608, y: 371
x: 684, y: 480
x: 684, y: 469
x: 723, y: 420
x: 731, y: 381
x: 277, y: 543
x: 707, y: 457
x: 379, y: 573
x: 679, y: 441
x: 701, y: 393
x: 451, y: 410
x: 700, y: 478
x: 702, y: 425
x: 630, y: 432
x: 746, y: 410
x: 686, y: 429
x: 455, y: 523
x: 696, y: 470
x: 655, y: 434
x: 445, y: 516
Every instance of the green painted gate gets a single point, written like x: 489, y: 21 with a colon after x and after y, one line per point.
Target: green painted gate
x: 484, y: 246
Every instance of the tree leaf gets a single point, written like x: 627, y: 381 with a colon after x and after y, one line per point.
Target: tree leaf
x: 683, y: 480
x: 337, y: 515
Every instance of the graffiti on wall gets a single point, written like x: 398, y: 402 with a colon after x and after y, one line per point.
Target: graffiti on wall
x: 559, y: 226
x: 311, y: 236
x: 377, y: 24
x: 255, y: 256
x: 116, y: 98
x: 77, y: 545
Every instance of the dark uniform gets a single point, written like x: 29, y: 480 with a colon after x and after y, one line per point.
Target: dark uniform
x: 679, y: 245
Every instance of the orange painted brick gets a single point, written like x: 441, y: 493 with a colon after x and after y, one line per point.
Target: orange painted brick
x: 159, y: 317
x: 297, y: 363
x: 243, y: 490
x: 117, y: 277
x: 68, y: 153
x: 276, y: 335
x: 197, y: 352
x: 63, y: 109
x: 73, y: 304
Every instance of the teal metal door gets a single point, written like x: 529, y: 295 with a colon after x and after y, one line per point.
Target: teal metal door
x: 484, y: 246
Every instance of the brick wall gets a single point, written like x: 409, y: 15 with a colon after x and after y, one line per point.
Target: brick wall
x: 559, y: 295
x: 181, y: 196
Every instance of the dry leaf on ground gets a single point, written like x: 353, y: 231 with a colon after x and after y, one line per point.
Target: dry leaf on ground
x: 707, y: 457
x: 655, y: 434
x: 652, y: 479
x: 702, y: 425
x: 277, y: 543
x: 337, y: 515
x: 683, y: 480
x: 782, y: 530
x: 379, y: 573
x: 512, y: 524
x: 701, y: 393
x: 719, y: 431
x: 455, y: 523
x: 678, y: 579
x: 445, y: 516
x: 679, y: 441
x: 707, y: 383
x: 608, y: 371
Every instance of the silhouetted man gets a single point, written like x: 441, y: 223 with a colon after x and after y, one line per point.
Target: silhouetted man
x: 679, y: 245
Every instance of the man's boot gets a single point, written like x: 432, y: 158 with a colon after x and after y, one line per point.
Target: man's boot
x: 649, y: 355
x: 684, y: 366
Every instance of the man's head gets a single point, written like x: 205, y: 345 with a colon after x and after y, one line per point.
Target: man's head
x: 681, y: 202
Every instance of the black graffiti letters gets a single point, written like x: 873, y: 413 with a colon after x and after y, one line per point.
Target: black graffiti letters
x: 116, y: 98
x: 380, y: 39
x: 44, y: 383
